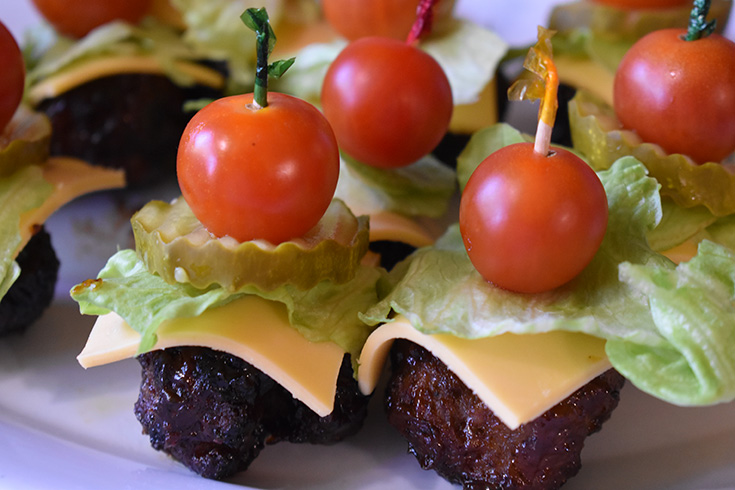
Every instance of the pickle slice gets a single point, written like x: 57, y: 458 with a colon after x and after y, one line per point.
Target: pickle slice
x: 615, y: 24
x: 599, y: 136
x: 25, y: 141
x: 173, y: 244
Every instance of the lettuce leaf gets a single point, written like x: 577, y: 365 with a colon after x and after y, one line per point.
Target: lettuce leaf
x: 51, y: 55
x: 693, y: 309
x: 22, y: 191
x: 423, y: 188
x: 621, y: 296
x: 327, y: 312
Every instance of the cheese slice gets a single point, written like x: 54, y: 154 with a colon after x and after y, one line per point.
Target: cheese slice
x: 519, y: 377
x: 66, y: 80
x: 71, y: 178
x: 468, y: 118
x: 386, y: 225
x: 251, y: 328
x: 683, y: 252
x: 586, y: 74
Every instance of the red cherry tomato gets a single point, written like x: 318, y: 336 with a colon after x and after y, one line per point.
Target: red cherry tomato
x: 531, y: 223
x: 680, y: 94
x: 75, y: 18
x: 12, y: 76
x: 643, y: 4
x: 389, y: 102
x: 258, y: 173
x: 354, y: 19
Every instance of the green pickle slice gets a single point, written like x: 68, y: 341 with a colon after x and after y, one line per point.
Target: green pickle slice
x: 25, y: 141
x: 172, y: 243
x: 599, y: 136
x: 615, y: 24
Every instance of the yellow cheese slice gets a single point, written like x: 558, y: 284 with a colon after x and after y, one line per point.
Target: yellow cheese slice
x: 519, y: 377
x: 586, y: 74
x: 251, y: 328
x: 73, y: 77
x: 683, y: 252
x: 386, y: 225
x: 468, y: 118
x: 71, y: 178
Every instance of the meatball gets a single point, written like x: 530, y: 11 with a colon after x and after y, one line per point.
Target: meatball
x: 214, y: 412
x: 452, y: 432
x: 33, y: 290
x: 131, y: 122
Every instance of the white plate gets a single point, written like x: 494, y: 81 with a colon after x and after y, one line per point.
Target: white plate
x: 64, y: 427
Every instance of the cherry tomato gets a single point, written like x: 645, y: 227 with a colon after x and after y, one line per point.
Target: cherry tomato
x: 354, y: 19
x: 679, y: 94
x: 643, y: 4
x: 75, y: 18
x: 389, y: 102
x: 12, y: 76
x: 531, y: 223
x: 265, y: 173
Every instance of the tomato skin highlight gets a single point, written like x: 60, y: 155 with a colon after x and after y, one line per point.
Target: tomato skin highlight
x: 389, y: 103
x: 531, y: 223
x: 75, y: 18
x: 12, y: 76
x: 258, y: 174
x: 679, y: 94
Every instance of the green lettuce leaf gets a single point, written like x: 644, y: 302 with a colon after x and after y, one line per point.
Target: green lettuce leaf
x: 621, y: 296
x: 693, y: 308
x: 423, y: 188
x: 441, y: 292
x: 326, y: 312
x: 24, y: 190
x: 481, y: 144
x: 55, y: 55
x: 215, y: 29
x: 468, y: 53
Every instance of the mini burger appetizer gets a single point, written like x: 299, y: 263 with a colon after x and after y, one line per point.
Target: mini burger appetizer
x: 241, y: 299
x: 393, y: 130
x: 114, y: 81
x: 32, y: 187
x: 511, y: 337
x: 674, y: 110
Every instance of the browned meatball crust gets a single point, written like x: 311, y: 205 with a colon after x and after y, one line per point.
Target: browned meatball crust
x: 132, y: 122
x: 33, y: 291
x: 451, y: 431
x: 214, y: 412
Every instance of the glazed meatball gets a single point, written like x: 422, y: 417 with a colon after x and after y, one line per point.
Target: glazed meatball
x: 451, y: 431
x: 214, y: 412
x: 33, y: 290
x: 131, y: 122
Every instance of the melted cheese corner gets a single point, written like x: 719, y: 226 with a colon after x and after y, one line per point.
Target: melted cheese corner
x: 387, y: 225
x: 71, y: 178
x: 251, y: 328
x: 519, y: 377
x: 66, y: 80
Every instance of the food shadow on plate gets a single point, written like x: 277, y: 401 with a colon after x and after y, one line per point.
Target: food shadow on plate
x: 375, y: 458
x: 45, y: 358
